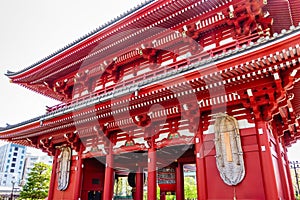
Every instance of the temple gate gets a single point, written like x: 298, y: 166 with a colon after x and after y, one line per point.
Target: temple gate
x: 212, y: 83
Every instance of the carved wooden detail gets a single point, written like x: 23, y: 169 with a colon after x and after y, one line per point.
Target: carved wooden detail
x: 48, y: 146
x: 74, y: 140
x: 248, y: 17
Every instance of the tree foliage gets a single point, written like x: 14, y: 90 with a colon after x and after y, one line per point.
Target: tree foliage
x: 37, y: 185
x: 190, y: 188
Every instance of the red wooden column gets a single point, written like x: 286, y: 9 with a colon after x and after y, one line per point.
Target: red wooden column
x: 162, y: 196
x: 281, y: 164
x: 288, y: 172
x: 109, y: 176
x: 152, y: 186
x: 78, y: 176
x: 269, y: 180
x: 53, y: 176
x: 179, y: 182
x: 139, y: 184
x: 200, y: 164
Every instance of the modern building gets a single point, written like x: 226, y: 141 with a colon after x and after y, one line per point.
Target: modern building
x: 15, y: 165
x: 12, y: 159
x: 213, y: 83
x: 30, y: 160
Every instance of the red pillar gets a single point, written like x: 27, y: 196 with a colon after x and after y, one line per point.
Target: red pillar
x: 109, y: 177
x: 288, y: 172
x: 139, y: 184
x: 281, y: 166
x: 179, y: 182
x: 152, y: 186
x: 53, y: 176
x: 162, y: 196
x: 200, y: 165
x: 78, y: 176
x: 269, y: 180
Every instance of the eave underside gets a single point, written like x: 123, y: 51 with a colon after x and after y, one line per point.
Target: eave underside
x: 168, y: 16
x: 272, y: 70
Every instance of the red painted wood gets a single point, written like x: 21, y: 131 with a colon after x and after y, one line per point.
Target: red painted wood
x: 162, y: 196
x: 93, y: 170
x: 281, y: 165
x: 139, y: 184
x: 78, y: 177
x: 267, y: 166
x: 53, y: 176
x: 288, y: 174
x: 244, y: 190
x: 280, y: 12
x: 268, y: 170
x: 295, y: 11
x: 179, y: 182
x: 109, y: 177
x: 152, y: 180
x: 200, y: 164
x: 212, y: 185
x: 69, y: 192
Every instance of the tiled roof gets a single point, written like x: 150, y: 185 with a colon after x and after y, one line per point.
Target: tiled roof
x: 21, y: 123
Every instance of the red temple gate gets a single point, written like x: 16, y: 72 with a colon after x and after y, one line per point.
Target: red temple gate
x: 211, y: 83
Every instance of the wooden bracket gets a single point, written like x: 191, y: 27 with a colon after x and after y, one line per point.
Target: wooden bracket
x: 74, y: 140
x: 247, y: 17
x: 48, y: 146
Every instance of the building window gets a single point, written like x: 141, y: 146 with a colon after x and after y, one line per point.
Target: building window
x: 23, y: 151
x: 9, y: 155
x: 16, y: 148
x: 5, y: 175
x: 15, y: 154
x: 14, y: 159
x: 13, y: 164
x: 12, y: 170
x: 22, y: 157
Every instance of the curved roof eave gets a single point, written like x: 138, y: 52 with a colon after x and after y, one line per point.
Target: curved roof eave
x: 232, y: 55
x: 10, y: 74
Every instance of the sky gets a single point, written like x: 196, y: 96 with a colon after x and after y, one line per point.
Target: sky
x: 33, y: 29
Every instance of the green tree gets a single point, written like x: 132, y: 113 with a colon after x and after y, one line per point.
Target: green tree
x: 37, y: 185
x: 190, y: 188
